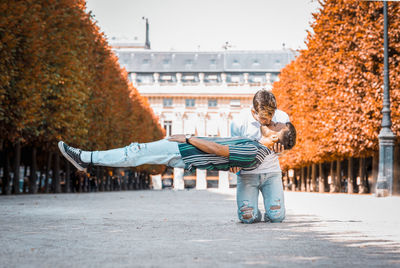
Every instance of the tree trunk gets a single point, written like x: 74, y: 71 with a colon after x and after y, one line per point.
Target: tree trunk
x: 361, y: 176
x: 48, y: 168
x: 350, y: 176
x: 313, y: 186
x: 98, y: 179
x: 101, y: 183
x: 331, y: 178
x: 302, y: 178
x: 292, y: 181
x: 6, y: 189
x: 67, y: 176
x: 56, y: 175
x: 375, y: 170
x: 33, y: 175
x: 298, y: 180
x: 17, y: 162
x: 338, y: 177
x: 321, y: 181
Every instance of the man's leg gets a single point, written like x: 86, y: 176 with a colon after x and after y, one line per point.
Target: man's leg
x: 159, y: 152
x: 247, y: 198
x: 272, y: 191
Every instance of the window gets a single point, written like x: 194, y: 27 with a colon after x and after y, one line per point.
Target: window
x: 167, y: 102
x: 188, y: 62
x: 168, y: 128
x: 212, y: 103
x: 257, y: 78
x: 166, y: 77
x: 190, y: 102
x: 188, y: 77
x: 235, y: 79
x: 145, y: 61
x: 212, y: 78
x: 145, y: 78
x: 235, y: 103
x: 213, y: 62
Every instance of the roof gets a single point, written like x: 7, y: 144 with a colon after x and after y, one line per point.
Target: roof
x: 223, y: 61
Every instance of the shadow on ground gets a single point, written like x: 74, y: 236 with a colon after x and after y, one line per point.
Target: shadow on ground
x: 169, y: 228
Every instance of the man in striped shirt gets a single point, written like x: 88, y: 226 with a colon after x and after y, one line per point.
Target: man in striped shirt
x: 185, y: 152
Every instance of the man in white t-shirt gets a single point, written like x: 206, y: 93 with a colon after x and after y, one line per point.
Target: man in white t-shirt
x: 267, y: 178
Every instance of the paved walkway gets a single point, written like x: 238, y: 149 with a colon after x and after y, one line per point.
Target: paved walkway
x: 195, y: 228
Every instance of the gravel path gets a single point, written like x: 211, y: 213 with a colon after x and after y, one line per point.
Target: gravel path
x: 195, y: 228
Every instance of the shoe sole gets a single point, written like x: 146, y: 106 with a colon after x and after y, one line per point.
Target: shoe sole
x: 61, y: 147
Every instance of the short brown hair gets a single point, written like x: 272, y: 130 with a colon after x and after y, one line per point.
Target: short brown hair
x: 264, y: 100
x: 289, y: 136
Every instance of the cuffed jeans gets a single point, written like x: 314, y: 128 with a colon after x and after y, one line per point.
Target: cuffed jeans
x: 162, y: 152
x: 270, y: 185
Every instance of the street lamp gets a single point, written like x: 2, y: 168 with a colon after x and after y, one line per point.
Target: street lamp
x: 386, y: 136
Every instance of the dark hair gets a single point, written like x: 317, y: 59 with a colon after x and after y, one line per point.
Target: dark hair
x: 289, y: 136
x: 264, y: 100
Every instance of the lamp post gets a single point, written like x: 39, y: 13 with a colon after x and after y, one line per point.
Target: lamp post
x: 386, y: 136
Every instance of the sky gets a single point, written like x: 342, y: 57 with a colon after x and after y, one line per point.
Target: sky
x: 206, y: 25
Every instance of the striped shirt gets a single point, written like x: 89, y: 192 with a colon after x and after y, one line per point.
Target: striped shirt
x: 245, y: 153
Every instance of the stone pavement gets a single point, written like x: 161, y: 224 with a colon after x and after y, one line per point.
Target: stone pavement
x: 195, y: 228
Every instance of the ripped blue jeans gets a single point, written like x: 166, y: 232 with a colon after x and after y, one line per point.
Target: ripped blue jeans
x: 161, y: 152
x: 270, y: 185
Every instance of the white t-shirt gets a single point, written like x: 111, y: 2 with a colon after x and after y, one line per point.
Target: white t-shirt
x: 247, y: 126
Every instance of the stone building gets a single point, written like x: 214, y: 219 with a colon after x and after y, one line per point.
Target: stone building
x: 201, y: 93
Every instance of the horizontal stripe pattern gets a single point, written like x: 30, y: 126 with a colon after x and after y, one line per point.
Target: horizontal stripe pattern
x: 245, y: 153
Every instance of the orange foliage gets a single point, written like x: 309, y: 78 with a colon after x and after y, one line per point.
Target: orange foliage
x: 59, y: 79
x: 333, y: 91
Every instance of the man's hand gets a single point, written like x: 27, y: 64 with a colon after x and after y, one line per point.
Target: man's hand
x: 178, y: 138
x: 234, y: 169
x: 278, y: 148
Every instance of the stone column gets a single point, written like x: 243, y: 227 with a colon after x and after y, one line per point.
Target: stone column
x: 246, y: 78
x: 223, y: 78
x: 179, y: 78
x: 201, y: 179
x: 177, y: 124
x: 201, y: 125
x: 178, y: 179
x: 224, y: 126
x: 268, y: 78
x: 156, y: 76
x: 223, y: 183
x: 201, y: 77
x: 156, y: 182
x: 133, y: 78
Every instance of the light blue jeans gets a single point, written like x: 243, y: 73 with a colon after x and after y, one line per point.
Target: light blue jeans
x: 162, y: 152
x: 270, y: 185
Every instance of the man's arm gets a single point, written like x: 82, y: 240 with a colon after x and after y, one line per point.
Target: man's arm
x: 204, y: 145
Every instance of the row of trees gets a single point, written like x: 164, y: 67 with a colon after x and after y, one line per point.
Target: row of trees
x: 333, y: 91
x: 59, y: 80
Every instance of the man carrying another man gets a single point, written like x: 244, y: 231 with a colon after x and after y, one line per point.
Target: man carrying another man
x: 267, y: 178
